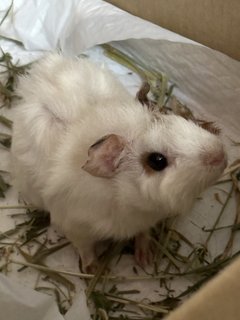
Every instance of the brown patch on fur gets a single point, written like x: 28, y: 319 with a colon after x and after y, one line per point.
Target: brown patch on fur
x: 175, y: 107
x: 209, y: 126
x: 142, y: 97
x: 142, y: 94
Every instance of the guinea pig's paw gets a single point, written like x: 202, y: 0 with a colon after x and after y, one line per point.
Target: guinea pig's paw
x: 143, y: 253
x: 88, y: 261
x: 91, y: 268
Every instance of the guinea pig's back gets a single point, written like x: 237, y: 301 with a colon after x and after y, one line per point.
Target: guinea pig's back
x: 55, y: 94
x: 58, y: 92
x: 69, y: 87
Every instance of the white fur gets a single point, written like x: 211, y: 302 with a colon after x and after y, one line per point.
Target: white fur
x: 68, y: 105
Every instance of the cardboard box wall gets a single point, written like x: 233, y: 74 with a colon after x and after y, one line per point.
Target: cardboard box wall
x: 217, y: 300
x: 214, y: 23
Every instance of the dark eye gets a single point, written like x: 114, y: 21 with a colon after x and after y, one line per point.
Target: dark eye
x: 157, y: 161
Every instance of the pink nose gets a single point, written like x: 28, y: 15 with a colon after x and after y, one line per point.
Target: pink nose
x: 215, y: 159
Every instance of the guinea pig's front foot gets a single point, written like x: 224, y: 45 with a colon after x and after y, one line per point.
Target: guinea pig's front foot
x: 88, y: 268
x: 143, y: 253
x: 88, y: 261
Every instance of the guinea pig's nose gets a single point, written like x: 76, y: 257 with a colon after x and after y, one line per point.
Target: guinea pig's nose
x: 216, y: 159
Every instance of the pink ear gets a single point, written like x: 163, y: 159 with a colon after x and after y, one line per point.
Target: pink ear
x: 104, y: 156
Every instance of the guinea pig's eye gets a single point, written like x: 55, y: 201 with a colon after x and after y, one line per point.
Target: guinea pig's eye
x: 157, y: 161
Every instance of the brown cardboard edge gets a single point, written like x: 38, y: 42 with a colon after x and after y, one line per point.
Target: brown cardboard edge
x: 217, y: 300
x: 214, y: 23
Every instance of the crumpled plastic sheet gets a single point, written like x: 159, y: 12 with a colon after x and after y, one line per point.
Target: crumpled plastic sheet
x: 19, y: 302
x: 207, y: 81
x: 75, y: 25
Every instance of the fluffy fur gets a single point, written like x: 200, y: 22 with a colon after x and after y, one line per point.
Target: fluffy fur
x: 67, y: 105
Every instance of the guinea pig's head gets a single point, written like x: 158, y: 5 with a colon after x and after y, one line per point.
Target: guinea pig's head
x: 163, y: 168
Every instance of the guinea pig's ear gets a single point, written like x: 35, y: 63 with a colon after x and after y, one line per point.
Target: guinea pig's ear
x: 104, y: 156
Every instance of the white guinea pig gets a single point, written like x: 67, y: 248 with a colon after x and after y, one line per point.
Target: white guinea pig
x: 103, y: 165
